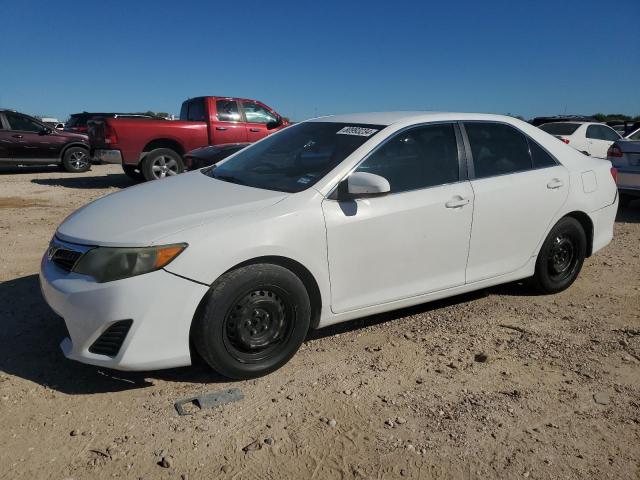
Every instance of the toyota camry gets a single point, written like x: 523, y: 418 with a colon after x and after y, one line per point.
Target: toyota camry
x: 328, y: 220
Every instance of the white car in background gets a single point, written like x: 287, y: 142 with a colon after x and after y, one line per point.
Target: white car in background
x: 593, y: 139
x: 325, y: 221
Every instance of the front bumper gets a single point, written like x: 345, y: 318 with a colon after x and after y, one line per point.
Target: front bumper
x: 100, y: 155
x: 161, y: 305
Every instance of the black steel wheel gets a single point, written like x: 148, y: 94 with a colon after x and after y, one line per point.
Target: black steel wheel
x: 561, y: 257
x: 253, y: 321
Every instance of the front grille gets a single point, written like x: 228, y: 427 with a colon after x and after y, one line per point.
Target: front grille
x: 65, y: 259
x: 110, y: 341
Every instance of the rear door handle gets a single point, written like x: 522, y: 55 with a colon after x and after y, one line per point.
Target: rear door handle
x: 254, y: 129
x: 457, y: 202
x: 17, y: 136
x: 555, y: 183
x: 221, y: 128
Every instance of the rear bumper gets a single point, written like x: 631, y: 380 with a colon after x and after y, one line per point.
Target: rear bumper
x: 629, y: 180
x: 603, y: 221
x: 100, y: 155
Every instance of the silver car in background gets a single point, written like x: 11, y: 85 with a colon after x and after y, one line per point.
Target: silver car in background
x: 625, y: 157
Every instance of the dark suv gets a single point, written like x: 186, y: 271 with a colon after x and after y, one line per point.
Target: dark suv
x: 27, y: 141
x: 77, y: 122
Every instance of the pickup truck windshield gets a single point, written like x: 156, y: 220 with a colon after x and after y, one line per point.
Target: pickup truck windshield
x: 295, y: 158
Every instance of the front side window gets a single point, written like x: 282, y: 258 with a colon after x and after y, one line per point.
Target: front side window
x: 295, y: 158
x: 21, y: 123
x: 227, y: 110
x: 255, y: 113
x: 418, y: 158
x: 194, y: 111
x: 497, y: 149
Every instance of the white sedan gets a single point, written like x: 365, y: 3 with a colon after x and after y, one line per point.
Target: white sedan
x: 593, y: 139
x: 326, y: 221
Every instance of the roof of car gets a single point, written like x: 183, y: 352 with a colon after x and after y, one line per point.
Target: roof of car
x: 389, y: 118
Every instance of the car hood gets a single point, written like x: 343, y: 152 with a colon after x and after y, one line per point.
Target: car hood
x: 144, y: 214
x: 75, y: 136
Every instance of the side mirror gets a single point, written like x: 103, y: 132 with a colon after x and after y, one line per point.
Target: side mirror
x: 274, y: 124
x: 45, y: 131
x: 363, y: 184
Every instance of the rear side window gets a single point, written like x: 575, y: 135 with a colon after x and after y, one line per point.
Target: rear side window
x: 540, y: 157
x: 418, y: 158
x: 194, y: 110
x: 601, y: 132
x: 560, y: 128
x: 497, y: 149
x: 227, y: 111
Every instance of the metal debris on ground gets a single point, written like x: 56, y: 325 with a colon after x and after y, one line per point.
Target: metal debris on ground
x: 209, y: 400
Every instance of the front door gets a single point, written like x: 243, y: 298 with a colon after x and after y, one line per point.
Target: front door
x: 257, y: 117
x: 518, y: 187
x: 411, y: 241
x: 5, y: 141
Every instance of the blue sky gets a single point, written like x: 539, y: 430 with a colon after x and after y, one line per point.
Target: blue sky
x: 314, y: 58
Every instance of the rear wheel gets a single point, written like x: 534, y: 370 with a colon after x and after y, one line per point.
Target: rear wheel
x: 76, y: 160
x: 561, y: 257
x: 161, y: 163
x: 253, y: 321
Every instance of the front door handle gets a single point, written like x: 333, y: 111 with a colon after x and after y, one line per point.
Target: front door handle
x: 17, y: 136
x: 457, y: 202
x: 254, y: 129
x: 555, y: 183
x: 221, y: 128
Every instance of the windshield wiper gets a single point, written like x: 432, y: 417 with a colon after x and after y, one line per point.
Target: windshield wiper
x: 228, y: 178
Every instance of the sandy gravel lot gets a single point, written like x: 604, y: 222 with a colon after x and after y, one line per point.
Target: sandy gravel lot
x: 498, y: 384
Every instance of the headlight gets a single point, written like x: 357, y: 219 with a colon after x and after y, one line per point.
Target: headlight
x: 106, y: 264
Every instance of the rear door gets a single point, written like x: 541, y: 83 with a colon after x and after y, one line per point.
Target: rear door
x: 518, y: 188
x: 599, y: 139
x: 29, y: 142
x: 228, y: 126
x: 257, y: 117
x: 5, y: 141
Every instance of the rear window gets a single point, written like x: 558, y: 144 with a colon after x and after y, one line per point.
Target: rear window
x: 193, y: 110
x: 560, y: 128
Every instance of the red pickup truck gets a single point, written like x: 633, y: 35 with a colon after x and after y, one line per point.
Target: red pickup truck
x: 154, y: 149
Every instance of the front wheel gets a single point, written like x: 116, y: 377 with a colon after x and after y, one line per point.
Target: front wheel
x: 561, y: 257
x: 254, y: 320
x: 161, y: 163
x: 76, y: 160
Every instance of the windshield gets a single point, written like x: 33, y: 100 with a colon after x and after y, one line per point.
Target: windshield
x: 560, y: 128
x: 295, y: 158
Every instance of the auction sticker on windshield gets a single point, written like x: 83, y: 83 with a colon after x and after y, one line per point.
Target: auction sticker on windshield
x: 359, y: 131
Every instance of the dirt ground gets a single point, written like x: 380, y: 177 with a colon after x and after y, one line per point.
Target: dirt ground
x: 501, y: 383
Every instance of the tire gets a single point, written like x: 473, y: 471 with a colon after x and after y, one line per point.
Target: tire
x: 561, y: 257
x: 76, y: 160
x: 624, y: 201
x: 132, y: 172
x: 253, y: 321
x: 161, y: 163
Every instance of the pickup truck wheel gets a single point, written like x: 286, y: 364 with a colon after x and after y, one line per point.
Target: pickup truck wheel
x: 132, y: 172
x: 76, y: 160
x: 253, y: 321
x: 161, y: 163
